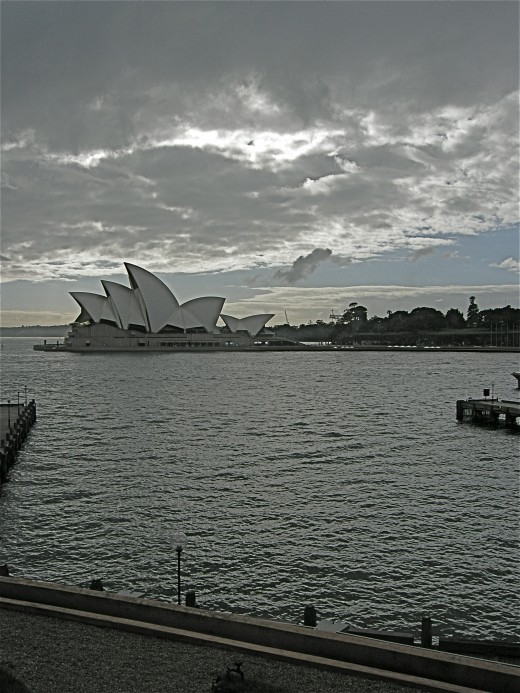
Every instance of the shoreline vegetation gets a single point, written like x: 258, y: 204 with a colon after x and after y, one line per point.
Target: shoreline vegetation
x: 494, y: 327
x: 424, y: 326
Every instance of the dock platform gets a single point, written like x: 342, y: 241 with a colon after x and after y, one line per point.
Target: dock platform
x: 489, y: 411
x: 58, y: 346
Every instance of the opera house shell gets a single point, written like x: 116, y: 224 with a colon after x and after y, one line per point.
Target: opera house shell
x: 146, y: 315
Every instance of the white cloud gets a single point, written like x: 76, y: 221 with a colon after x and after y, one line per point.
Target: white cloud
x: 21, y: 140
x: 509, y: 264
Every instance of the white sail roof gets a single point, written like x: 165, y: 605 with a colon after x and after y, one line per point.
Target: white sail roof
x: 151, y: 305
x: 93, y: 307
x: 125, y: 305
x: 159, y: 302
x: 206, y: 311
x: 251, y: 324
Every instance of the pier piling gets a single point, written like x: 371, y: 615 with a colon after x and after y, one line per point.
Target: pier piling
x: 426, y: 631
x: 309, y: 617
x: 15, y: 423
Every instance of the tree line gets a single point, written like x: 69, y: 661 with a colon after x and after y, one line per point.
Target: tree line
x: 420, y: 326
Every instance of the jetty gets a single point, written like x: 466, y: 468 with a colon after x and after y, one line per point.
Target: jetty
x: 489, y: 411
x: 50, y: 346
x: 16, y: 421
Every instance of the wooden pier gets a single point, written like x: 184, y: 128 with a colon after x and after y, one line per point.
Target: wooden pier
x: 15, y: 423
x: 489, y: 411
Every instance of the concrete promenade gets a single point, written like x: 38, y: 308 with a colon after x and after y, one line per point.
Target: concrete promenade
x: 350, y: 657
x: 50, y: 655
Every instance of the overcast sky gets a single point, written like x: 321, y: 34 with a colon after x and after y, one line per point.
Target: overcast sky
x: 290, y: 156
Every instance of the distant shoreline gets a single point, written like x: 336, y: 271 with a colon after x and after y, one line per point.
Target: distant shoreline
x: 317, y: 347
x: 56, y: 332
x: 35, y: 331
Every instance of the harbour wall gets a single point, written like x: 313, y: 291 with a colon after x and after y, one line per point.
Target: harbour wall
x: 252, y: 634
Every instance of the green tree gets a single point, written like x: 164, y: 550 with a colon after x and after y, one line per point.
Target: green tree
x: 375, y: 324
x: 473, y: 313
x: 425, y: 319
x: 507, y: 315
x: 454, y: 319
x: 397, y: 321
x: 354, y: 317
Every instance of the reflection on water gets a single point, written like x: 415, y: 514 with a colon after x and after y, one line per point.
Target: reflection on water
x: 338, y: 479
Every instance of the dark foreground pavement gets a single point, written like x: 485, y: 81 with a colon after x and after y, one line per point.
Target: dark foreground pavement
x: 49, y: 655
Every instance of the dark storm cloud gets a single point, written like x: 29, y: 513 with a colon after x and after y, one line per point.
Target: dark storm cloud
x: 302, y: 266
x: 62, y: 61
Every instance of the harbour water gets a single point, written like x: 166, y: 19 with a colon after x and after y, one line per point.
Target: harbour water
x: 338, y: 479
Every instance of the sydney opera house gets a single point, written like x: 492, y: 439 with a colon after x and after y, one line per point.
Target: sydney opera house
x: 147, y: 316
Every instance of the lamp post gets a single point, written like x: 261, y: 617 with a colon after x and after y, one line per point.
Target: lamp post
x: 9, y: 414
x: 179, y: 540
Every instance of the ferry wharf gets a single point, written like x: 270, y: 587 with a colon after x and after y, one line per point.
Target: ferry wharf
x: 16, y: 421
x: 489, y: 411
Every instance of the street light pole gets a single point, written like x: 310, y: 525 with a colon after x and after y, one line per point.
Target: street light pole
x: 178, y: 541
x: 9, y: 414
x: 179, y: 551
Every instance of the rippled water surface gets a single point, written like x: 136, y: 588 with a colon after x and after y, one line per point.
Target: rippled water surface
x: 339, y: 479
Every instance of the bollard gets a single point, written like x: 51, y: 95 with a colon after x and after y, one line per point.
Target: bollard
x: 426, y: 631
x: 511, y: 419
x: 190, y: 598
x: 309, y: 617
